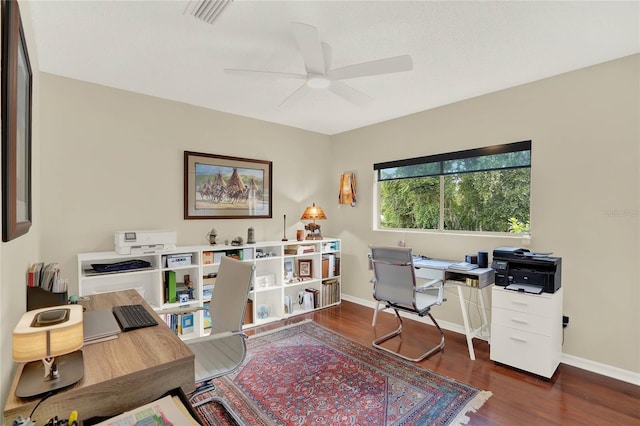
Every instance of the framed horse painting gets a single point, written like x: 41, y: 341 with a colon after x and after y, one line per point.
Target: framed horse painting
x: 222, y: 187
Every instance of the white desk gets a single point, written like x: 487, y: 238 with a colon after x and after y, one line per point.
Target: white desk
x: 440, y: 269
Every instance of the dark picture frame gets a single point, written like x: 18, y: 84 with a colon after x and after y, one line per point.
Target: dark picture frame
x: 16, y: 125
x: 223, y: 187
x: 305, y: 268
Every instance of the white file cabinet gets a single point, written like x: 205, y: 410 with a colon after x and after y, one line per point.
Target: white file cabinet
x: 526, y: 330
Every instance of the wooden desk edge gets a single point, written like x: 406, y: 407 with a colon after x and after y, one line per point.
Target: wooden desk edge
x: 107, y: 395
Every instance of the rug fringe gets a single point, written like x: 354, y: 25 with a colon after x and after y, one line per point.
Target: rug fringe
x: 284, y: 327
x: 471, y: 407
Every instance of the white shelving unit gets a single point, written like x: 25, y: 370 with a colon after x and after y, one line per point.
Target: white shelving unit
x: 314, y: 268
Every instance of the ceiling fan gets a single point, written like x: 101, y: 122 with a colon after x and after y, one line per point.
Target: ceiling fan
x: 319, y: 75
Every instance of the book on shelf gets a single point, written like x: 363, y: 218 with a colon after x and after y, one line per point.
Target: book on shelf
x: 181, y: 323
x: 330, y: 292
x: 302, y: 249
x: 206, y: 317
x: 329, y: 265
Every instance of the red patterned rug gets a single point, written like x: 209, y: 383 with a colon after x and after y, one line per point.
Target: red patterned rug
x: 306, y: 374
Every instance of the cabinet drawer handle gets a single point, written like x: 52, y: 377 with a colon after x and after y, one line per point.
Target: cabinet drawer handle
x: 518, y: 339
x: 515, y: 302
x: 519, y: 321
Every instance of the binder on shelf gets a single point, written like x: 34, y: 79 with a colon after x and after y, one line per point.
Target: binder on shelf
x: 171, y: 286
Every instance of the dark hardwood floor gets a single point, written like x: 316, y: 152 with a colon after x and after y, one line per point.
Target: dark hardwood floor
x: 571, y: 397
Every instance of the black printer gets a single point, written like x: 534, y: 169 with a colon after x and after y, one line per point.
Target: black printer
x: 520, y: 269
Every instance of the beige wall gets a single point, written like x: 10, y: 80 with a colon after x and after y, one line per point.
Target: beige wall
x: 16, y: 255
x: 585, y: 190
x: 114, y: 161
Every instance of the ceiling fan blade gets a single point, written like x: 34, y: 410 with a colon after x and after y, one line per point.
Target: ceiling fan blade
x: 350, y: 94
x: 310, y: 47
x: 326, y: 53
x: 380, y: 66
x: 269, y: 73
x: 298, y: 94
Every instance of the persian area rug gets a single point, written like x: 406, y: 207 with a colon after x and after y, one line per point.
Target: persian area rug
x: 306, y: 374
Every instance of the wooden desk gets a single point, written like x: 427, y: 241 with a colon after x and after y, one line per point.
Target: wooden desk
x: 120, y: 374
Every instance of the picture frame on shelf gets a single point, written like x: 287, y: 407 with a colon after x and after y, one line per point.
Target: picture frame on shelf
x: 223, y: 187
x: 16, y: 125
x: 305, y: 268
x: 288, y: 269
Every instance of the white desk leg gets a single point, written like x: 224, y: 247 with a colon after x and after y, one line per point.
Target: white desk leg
x: 485, y: 321
x: 467, y: 328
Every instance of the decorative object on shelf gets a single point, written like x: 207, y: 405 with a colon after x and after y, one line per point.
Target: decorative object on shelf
x: 347, y: 194
x: 263, y: 311
x: 237, y: 241
x: 211, y: 237
x: 50, y: 337
x: 300, y: 235
x: 288, y: 269
x: 16, y: 126
x: 251, y: 236
x: 305, y: 268
x: 222, y: 187
x: 284, y: 229
x: 314, y: 213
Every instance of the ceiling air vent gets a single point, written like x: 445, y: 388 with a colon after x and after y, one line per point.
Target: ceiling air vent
x: 206, y: 10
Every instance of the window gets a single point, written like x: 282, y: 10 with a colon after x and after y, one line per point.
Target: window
x: 485, y: 189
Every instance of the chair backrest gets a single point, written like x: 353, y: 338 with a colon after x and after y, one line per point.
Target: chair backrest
x: 393, y: 275
x: 230, y: 294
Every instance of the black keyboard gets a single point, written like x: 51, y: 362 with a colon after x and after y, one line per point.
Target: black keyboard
x: 131, y: 317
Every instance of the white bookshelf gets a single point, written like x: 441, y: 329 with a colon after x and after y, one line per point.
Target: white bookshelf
x: 271, y: 284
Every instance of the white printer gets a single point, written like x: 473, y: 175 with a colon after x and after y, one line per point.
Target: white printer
x: 143, y: 242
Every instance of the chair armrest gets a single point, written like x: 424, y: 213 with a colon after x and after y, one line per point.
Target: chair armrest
x: 181, y: 310
x: 217, y: 336
x: 428, y: 285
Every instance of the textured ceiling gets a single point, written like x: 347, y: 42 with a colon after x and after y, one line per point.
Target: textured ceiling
x: 459, y: 50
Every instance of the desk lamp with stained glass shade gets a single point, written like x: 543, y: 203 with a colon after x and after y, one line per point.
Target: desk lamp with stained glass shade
x: 313, y: 213
x: 48, y: 341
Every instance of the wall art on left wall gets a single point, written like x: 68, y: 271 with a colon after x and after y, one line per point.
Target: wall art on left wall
x: 16, y: 125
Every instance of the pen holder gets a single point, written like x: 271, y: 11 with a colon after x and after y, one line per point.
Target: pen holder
x: 40, y: 298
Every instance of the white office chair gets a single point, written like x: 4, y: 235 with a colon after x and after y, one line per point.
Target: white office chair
x: 224, y: 349
x: 394, y: 285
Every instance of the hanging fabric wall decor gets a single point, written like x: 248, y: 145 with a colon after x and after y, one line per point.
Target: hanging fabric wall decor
x: 347, y: 194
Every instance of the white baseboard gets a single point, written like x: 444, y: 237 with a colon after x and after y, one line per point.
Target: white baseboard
x: 603, y: 369
x: 585, y: 364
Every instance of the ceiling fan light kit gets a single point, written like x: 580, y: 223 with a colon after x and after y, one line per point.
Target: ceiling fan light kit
x: 318, y: 82
x: 319, y: 75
